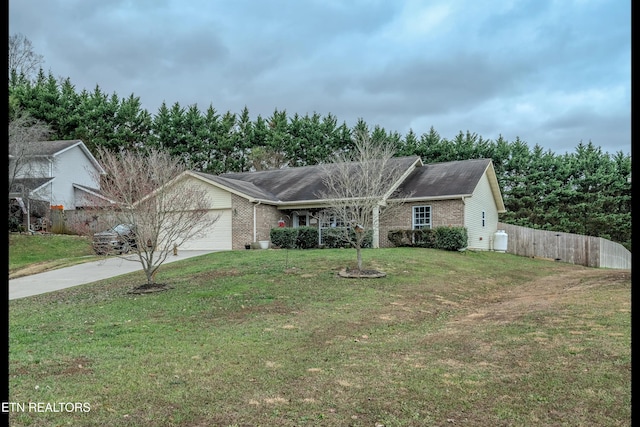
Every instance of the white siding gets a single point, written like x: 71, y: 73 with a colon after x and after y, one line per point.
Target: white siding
x: 71, y: 167
x: 36, y: 168
x: 216, y: 238
x: 219, y: 237
x: 481, y: 237
x: 219, y: 198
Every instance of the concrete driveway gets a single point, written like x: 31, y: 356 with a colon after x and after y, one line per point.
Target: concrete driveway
x: 81, y: 274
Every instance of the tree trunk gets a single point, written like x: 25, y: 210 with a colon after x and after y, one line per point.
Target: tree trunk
x: 150, y: 272
x: 149, y: 275
x: 359, y: 254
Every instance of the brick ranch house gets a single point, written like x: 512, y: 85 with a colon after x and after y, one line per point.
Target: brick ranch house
x: 249, y: 204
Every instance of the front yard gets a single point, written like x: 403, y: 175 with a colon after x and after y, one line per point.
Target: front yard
x: 276, y: 337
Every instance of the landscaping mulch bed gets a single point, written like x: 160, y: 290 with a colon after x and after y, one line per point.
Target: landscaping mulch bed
x: 149, y: 288
x: 352, y: 273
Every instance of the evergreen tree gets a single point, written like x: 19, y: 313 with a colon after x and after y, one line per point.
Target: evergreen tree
x: 96, y: 124
x: 409, y: 145
x: 131, y: 126
x: 243, y: 142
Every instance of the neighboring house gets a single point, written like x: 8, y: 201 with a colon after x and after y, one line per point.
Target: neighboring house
x: 61, y: 175
x: 249, y: 204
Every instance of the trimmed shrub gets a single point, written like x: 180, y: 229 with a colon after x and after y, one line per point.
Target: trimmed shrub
x: 445, y: 238
x: 451, y: 238
x: 334, y: 238
x: 398, y: 238
x: 307, y: 237
x: 284, y: 237
x: 424, y: 238
x: 368, y: 239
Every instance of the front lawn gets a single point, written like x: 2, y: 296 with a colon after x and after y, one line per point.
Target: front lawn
x: 29, y: 254
x: 276, y: 338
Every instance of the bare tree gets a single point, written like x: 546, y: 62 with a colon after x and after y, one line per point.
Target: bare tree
x: 264, y: 158
x: 150, y: 191
x: 23, y: 60
x: 25, y: 136
x: 358, y: 185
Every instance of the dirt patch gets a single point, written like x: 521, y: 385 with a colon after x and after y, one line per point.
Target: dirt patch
x: 44, y: 266
x: 40, y: 267
x: 543, y: 293
x: 67, y: 367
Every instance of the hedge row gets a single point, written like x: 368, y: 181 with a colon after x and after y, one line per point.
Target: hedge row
x: 307, y: 238
x: 445, y: 238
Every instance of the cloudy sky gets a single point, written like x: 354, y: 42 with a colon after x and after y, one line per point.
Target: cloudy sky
x: 551, y: 72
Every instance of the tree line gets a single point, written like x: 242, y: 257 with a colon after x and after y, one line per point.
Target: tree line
x: 584, y: 192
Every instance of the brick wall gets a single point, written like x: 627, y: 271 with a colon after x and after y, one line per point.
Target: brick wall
x: 267, y: 217
x: 447, y: 212
x: 443, y: 213
x: 241, y: 222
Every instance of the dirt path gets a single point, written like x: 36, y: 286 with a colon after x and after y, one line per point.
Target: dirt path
x: 542, y: 293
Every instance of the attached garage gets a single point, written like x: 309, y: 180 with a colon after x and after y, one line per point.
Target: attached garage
x: 217, y: 238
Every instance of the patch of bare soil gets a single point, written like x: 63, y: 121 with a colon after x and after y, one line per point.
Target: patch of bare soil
x: 542, y: 293
x: 44, y: 266
x: 31, y: 269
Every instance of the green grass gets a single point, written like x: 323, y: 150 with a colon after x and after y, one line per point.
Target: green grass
x: 275, y: 337
x: 41, y: 252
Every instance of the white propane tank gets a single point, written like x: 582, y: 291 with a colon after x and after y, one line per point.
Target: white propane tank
x: 500, y: 241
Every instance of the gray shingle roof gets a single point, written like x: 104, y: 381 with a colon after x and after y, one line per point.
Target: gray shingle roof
x: 244, y: 187
x: 49, y: 148
x: 300, y: 183
x: 457, y: 178
x: 304, y: 184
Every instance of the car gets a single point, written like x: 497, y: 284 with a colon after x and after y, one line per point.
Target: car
x: 119, y: 239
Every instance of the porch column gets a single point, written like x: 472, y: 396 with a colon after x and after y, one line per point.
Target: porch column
x: 255, y: 221
x: 376, y: 227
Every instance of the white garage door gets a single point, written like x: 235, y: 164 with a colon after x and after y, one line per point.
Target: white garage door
x: 217, y: 238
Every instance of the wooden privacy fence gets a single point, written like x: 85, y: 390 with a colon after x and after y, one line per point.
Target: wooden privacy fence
x: 566, y: 247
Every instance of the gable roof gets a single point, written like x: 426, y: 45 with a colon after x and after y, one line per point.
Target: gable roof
x: 302, y: 185
x: 236, y: 186
x: 48, y: 149
x: 451, y: 180
x: 305, y: 183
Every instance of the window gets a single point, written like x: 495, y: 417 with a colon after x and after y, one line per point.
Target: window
x: 328, y: 221
x: 483, y: 219
x: 301, y: 219
x: 421, y: 217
